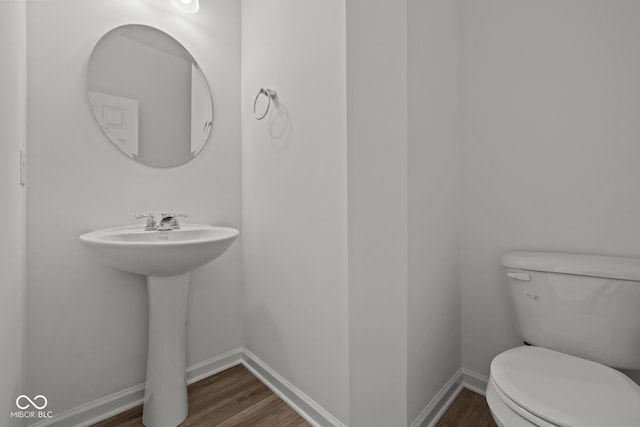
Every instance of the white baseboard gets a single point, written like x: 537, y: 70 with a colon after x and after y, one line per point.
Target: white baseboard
x: 106, y: 407
x: 432, y: 413
x: 206, y: 368
x: 474, y: 381
x: 308, y: 409
x: 98, y: 410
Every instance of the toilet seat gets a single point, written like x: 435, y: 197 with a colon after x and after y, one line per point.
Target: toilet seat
x: 549, y: 388
x: 507, y: 413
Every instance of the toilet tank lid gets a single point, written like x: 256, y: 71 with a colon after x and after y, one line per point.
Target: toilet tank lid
x: 581, y: 265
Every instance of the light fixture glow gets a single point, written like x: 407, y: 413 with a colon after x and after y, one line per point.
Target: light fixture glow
x: 186, y: 6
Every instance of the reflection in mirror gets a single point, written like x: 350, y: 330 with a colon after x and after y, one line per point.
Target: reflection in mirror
x: 149, y: 96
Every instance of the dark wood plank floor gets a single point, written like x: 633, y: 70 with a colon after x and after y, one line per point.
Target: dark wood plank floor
x: 468, y: 410
x: 237, y: 398
x: 231, y: 398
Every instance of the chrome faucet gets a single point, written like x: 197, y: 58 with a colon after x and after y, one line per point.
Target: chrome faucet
x: 169, y: 221
x: 151, y: 221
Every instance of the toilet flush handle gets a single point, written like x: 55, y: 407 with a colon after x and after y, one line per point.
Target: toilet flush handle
x: 520, y: 276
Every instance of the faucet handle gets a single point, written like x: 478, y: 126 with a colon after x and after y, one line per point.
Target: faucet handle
x: 169, y: 221
x: 151, y: 221
x: 176, y: 215
x: 149, y: 215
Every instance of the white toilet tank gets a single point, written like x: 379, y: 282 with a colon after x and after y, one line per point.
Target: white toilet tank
x: 584, y: 305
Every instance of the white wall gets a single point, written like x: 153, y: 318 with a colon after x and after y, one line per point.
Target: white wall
x: 378, y: 204
x: 87, y: 330
x: 13, y: 122
x: 433, y: 314
x: 551, y: 159
x: 295, y: 195
x: 295, y: 203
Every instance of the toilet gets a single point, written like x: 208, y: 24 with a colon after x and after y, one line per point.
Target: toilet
x: 579, y: 318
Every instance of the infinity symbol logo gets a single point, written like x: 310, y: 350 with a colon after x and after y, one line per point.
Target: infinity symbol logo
x: 33, y: 403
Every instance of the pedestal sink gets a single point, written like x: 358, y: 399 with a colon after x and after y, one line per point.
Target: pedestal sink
x: 167, y: 259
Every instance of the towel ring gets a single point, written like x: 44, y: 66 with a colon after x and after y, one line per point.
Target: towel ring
x: 269, y: 93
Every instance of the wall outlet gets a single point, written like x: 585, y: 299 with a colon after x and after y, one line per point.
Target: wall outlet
x: 23, y: 168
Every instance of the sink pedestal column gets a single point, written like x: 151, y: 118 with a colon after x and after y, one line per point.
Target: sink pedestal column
x: 165, y: 394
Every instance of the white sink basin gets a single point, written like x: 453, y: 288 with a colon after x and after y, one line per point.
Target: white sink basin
x: 166, y: 258
x: 160, y: 253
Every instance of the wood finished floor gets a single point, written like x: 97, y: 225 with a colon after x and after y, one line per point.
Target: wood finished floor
x: 231, y: 398
x: 237, y: 398
x: 468, y: 410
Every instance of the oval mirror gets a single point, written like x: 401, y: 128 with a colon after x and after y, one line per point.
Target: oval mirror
x: 149, y: 96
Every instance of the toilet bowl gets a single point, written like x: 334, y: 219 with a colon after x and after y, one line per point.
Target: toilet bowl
x: 581, y: 315
x: 534, y: 386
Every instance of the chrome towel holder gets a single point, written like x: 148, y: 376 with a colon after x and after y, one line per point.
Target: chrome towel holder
x: 269, y: 93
